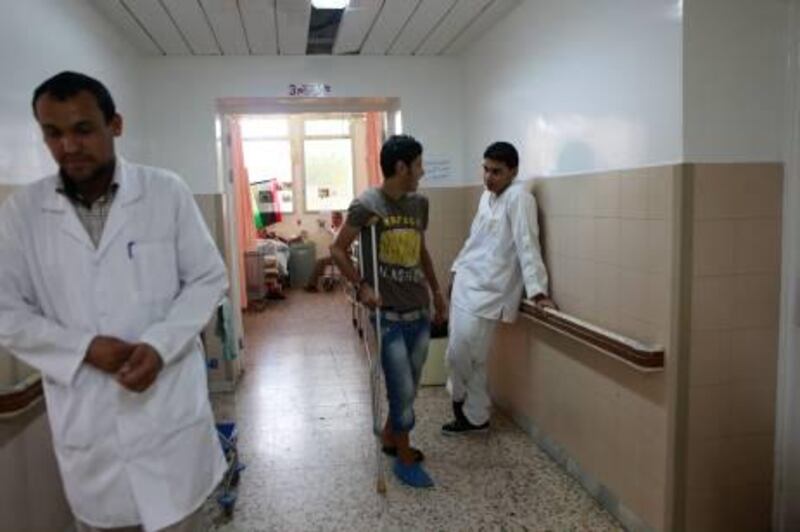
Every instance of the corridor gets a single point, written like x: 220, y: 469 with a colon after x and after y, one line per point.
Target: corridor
x: 304, y: 417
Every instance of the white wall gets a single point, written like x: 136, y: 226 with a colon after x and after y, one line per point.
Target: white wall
x: 181, y: 95
x: 39, y: 38
x: 734, y: 64
x: 788, y: 444
x: 578, y: 86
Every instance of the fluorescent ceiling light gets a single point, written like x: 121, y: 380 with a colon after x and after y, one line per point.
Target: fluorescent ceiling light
x: 330, y: 4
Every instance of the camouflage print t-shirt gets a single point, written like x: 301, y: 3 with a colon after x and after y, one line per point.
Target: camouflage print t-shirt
x: 400, y: 226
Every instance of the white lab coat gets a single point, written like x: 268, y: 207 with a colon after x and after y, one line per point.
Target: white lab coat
x: 501, y: 256
x: 156, y: 277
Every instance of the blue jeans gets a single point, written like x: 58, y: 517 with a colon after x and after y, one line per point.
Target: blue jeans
x: 403, y: 353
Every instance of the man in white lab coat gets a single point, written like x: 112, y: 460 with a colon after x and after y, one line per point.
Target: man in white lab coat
x: 107, y: 275
x: 501, y: 257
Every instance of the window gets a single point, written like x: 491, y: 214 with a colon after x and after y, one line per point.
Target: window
x: 268, y: 155
x: 327, y: 128
x: 328, y: 158
x: 254, y: 127
x: 329, y: 174
x: 323, y: 144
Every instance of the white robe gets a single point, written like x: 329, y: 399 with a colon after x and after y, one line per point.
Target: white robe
x: 156, y: 277
x: 501, y: 256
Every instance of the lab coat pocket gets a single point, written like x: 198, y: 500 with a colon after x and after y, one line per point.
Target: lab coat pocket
x: 156, y: 269
x: 181, y: 394
x: 73, y: 414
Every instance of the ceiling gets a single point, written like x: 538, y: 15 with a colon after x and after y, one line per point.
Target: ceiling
x: 293, y: 27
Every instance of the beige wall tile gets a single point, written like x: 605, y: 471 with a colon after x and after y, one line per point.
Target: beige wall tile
x: 659, y: 246
x: 716, y: 193
x: 707, y: 467
x: 759, y: 189
x: 634, y: 246
x: 31, y: 493
x: 659, y: 192
x: 567, y: 237
x: 737, y: 190
x: 607, y: 291
x: 634, y: 194
x: 543, y: 192
x: 657, y: 302
x: 749, y: 507
x: 453, y: 227
x: 757, y: 301
x: 709, y: 355
x: 636, y: 328
x: 649, y: 501
x: 584, y: 234
x: 757, y: 245
x: 583, y: 195
x: 707, y: 413
x: 751, y: 409
x: 753, y: 355
x: 606, y: 195
x: 714, y: 242
x: 607, y: 241
x: 633, y: 296
x: 706, y: 511
x: 713, y: 304
x: 751, y: 460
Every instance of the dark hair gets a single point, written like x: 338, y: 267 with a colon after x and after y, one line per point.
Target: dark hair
x: 67, y: 85
x: 398, y: 148
x: 503, y: 152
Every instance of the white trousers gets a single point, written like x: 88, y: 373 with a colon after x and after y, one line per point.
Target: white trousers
x: 470, y: 339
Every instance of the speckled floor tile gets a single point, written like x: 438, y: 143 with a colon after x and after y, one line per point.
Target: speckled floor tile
x: 304, y: 418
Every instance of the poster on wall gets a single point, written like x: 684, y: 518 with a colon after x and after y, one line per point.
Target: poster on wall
x: 438, y: 168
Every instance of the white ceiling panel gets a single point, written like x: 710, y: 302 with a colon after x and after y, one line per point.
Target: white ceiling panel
x: 461, y: 16
x: 392, y: 18
x: 270, y: 27
x: 191, y: 21
x: 259, y: 25
x: 491, y: 16
x: 356, y: 22
x: 227, y: 25
x: 121, y: 17
x: 152, y: 16
x: 293, y: 17
x: 428, y: 15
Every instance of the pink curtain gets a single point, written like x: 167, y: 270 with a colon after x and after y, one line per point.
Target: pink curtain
x: 374, y: 141
x: 243, y: 203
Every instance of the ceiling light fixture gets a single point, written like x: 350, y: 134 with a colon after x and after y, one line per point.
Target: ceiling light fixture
x: 330, y: 4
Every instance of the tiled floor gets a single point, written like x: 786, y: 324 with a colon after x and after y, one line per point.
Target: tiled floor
x: 305, y: 433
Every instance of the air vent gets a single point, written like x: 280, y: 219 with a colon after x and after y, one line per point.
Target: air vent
x: 322, y: 29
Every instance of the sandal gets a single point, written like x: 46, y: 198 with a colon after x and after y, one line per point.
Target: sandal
x: 389, y: 450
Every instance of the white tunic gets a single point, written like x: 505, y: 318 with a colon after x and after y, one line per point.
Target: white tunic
x: 501, y: 256
x: 155, y: 277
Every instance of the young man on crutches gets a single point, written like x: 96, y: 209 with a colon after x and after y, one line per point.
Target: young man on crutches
x: 401, y: 300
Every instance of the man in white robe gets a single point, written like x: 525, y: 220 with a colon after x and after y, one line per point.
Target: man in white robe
x: 501, y: 257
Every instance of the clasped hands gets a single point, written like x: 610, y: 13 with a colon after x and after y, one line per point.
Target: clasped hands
x: 134, y: 366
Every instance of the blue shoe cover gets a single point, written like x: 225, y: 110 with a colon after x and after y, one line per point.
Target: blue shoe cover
x: 412, y: 474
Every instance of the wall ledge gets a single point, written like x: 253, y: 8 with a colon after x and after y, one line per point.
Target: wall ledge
x: 639, y: 356
x: 15, y: 401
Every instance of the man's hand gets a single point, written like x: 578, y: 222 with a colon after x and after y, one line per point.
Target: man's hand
x: 141, y: 369
x: 544, y: 302
x: 108, y: 354
x: 367, y: 296
x: 440, y: 308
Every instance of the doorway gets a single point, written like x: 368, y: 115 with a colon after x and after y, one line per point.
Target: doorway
x: 290, y: 143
